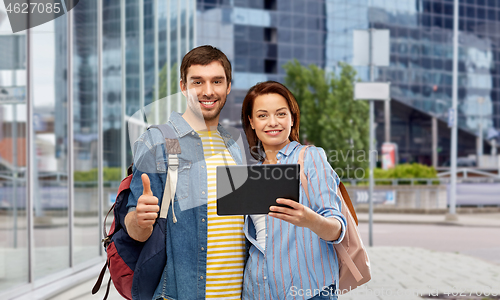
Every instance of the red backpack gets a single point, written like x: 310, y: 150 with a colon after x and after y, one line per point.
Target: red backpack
x: 136, y: 267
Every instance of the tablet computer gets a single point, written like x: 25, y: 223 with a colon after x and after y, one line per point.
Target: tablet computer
x: 244, y: 190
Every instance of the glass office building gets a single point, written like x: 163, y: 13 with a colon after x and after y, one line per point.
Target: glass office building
x: 67, y: 88
x: 261, y: 36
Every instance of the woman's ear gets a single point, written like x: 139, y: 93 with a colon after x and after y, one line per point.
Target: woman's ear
x: 251, y: 122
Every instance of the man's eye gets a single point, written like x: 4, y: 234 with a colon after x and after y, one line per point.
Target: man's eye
x: 196, y: 82
x: 217, y: 82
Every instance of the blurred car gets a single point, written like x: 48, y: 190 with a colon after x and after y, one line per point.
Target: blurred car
x: 462, y: 162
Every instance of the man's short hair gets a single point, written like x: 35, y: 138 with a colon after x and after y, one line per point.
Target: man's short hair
x: 205, y: 55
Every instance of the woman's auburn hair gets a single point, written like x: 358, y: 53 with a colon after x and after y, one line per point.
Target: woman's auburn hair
x: 265, y: 88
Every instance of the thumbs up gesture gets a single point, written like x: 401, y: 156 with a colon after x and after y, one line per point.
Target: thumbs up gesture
x: 147, y: 205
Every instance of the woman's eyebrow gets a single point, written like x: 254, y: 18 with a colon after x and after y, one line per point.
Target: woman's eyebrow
x: 263, y: 110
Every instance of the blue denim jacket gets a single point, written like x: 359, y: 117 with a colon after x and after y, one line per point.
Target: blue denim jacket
x: 185, y: 270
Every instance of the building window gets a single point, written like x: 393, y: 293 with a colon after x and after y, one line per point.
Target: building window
x: 270, y: 4
x: 270, y: 35
x: 270, y: 66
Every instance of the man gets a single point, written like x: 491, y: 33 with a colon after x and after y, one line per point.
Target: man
x: 205, y: 252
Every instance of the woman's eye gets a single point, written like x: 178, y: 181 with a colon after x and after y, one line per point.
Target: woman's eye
x: 282, y: 114
x: 261, y: 116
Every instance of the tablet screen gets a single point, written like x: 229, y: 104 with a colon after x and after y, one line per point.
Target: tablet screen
x: 244, y: 190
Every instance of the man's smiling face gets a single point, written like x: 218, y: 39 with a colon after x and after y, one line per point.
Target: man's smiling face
x: 210, y: 85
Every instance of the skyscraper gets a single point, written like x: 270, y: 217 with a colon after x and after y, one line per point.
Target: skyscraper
x: 261, y: 36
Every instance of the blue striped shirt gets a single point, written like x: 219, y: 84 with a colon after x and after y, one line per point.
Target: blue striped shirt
x: 296, y: 263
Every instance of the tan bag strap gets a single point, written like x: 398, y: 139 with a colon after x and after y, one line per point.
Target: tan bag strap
x: 346, y: 258
x: 348, y: 202
x: 303, y: 178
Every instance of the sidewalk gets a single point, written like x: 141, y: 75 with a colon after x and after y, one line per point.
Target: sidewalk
x: 397, y: 273
x: 415, y: 273
x: 400, y: 272
x: 471, y: 220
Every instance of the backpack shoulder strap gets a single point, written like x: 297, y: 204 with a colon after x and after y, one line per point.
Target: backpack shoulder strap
x: 173, y: 149
x: 303, y: 178
x: 171, y: 140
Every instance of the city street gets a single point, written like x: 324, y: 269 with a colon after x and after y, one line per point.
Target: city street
x: 480, y: 242
x: 409, y: 258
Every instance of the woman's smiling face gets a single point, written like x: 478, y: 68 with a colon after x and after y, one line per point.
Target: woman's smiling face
x: 272, y: 121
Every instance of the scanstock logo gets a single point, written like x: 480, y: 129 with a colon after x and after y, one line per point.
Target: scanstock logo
x: 25, y: 14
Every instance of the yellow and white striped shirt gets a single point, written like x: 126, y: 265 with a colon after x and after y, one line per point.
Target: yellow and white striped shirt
x: 225, y: 240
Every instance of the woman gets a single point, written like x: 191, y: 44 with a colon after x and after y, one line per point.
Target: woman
x: 291, y: 254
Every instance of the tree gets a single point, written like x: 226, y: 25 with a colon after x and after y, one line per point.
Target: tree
x: 174, y: 101
x: 174, y: 80
x: 330, y: 118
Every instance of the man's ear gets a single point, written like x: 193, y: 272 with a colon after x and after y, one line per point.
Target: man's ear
x: 183, y: 88
x: 228, y: 89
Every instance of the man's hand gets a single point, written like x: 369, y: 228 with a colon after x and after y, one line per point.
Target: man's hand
x: 147, y: 205
x: 139, y: 223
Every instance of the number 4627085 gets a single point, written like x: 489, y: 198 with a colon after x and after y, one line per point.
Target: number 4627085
x: 25, y: 8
